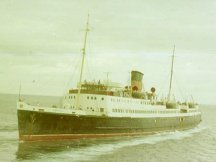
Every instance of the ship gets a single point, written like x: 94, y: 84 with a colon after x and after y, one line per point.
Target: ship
x: 106, y: 109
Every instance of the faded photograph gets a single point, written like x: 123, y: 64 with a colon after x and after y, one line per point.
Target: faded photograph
x: 101, y: 81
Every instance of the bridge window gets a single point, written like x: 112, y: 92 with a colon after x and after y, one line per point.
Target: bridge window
x: 102, y: 98
x: 101, y: 109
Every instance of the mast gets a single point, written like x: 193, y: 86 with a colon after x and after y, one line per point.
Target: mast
x: 170, y: 85
x: 83, y: 61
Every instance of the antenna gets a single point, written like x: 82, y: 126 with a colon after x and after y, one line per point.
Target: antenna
x: 170, y: 85
x: 192, y: 98
x: 83, y: 61
x: 107, y: 75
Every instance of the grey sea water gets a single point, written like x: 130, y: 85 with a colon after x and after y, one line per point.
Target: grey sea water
x: 195, y: 145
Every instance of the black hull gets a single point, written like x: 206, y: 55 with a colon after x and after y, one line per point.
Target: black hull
x: 47, y: 126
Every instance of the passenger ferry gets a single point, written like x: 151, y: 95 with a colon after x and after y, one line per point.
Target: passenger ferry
x: 105, y: 109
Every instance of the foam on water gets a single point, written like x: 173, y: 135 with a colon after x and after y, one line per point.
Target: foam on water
x: 9, y: 135
x: 192, y: 145
x: 91, y: 152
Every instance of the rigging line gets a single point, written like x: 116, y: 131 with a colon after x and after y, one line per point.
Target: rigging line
x: 88, y: 68
x: 179, y: 88
x: 47, y: 81
x: 164, y: 83
x: 164, y: 86
x: 91, y: 72
x: 42, y: 83
x: 75, y: 69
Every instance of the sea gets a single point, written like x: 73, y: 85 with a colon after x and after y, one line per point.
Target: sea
x: 194, y: 145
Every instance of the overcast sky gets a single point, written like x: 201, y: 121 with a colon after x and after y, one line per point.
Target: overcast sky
x: 41, y: 41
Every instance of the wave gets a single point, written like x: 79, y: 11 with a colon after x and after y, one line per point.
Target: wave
x: 95, y: 148
x: 8, y: 135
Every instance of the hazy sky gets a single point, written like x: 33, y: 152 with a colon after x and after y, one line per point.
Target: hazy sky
x: 41, y: 41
